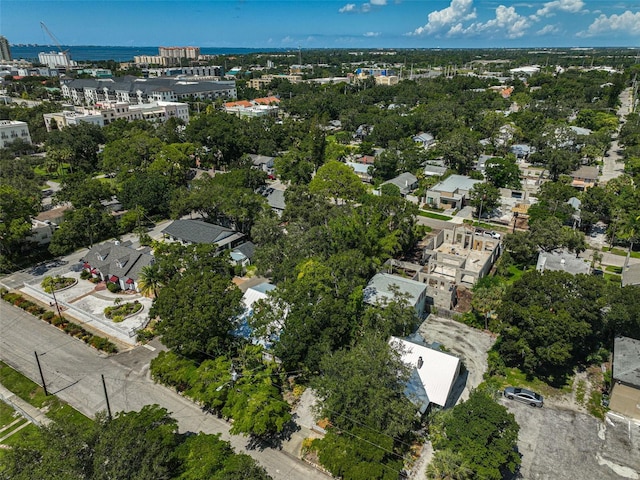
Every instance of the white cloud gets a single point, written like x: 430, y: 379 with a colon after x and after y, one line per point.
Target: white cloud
x: 379, y: 3
x: 627, y: 22
x: 365, y: 7
x: 506, y: 21
x: 287, y: 39
x: 372, y: 34
x: 349, y: 7
x: 569, y: 6
x: 439, y: 20
x: 548, y: 30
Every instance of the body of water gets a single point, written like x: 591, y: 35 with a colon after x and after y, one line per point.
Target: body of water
x: 120, y: 54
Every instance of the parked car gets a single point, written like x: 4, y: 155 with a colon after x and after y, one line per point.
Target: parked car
x: 495, y: 235
x: 525, y: 396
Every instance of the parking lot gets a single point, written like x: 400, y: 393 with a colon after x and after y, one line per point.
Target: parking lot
x: 566, y: 445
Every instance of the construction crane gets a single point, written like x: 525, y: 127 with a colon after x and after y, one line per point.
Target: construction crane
x: 53, y: 37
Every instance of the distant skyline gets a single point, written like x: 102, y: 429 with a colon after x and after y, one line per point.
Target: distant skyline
x: 325, y: 24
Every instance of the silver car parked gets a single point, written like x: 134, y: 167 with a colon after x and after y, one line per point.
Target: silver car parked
x: 525, y: 396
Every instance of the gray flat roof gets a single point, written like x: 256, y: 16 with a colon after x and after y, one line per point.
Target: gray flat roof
x: 455, y: 182
x: 626, y: 360
x: 561, y: 261
x: 380, y: 288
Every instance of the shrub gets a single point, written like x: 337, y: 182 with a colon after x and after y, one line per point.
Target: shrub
x: 103, y: 344
x: 85, y: 275
x: 117, y: 318
x: 58, y: 321
x: 3, y: 292
x: 47, y: 316
x: 145, y: 335
x: 122, y: 310
x: 11, y: 297
x: 113, y: 287
x: 50, y: 284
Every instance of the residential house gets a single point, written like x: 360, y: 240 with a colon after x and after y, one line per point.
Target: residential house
x: 522, y: 151
x: 263, y: 162
x: 431, y: 170
x: 384, y: 288
x: 361, y: 170
x: 406, y: 182
x: 562, y: 261
x: 424, y: 139
x: 196, y: 231
x: 275, y: 199
x: 625, y: 390
x: 251, y: 296
x: 243, y: 253
x: 433, y: 372
x: 41, y: 232
x: 452, y: 192
x: 585, y: 177
x: 117, y: 263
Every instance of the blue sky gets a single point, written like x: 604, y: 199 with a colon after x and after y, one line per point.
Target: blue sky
x: 326, y: 24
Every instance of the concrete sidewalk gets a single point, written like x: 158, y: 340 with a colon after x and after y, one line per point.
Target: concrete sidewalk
x: 31, y: 413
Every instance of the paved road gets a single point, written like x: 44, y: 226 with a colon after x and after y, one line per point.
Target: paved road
x: 613, y: 165
x: 72, y: 371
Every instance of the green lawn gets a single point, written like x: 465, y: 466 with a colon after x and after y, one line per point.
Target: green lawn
x: 436, y: 216
x: 620, y: 252
x: 516, y: 378
x: 6, y: 415
x: 612, y: 269
x: 34, y: 394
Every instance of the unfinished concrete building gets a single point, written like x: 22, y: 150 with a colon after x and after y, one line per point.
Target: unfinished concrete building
x: 461, y: 254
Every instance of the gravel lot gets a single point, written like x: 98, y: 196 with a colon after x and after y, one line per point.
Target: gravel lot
x: 469, y: 344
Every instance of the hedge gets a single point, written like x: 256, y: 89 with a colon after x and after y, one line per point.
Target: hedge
x: 61, y: 322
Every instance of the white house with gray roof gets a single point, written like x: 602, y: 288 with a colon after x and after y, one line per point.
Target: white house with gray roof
x: 384, y: 288
x: 452, y: 192
x: 406, y: 182
x: 117, y: 263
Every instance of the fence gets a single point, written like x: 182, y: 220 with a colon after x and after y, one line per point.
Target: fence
x: 124, y: 335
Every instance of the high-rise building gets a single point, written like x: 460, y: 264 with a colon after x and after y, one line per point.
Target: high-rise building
x: 5, y: 51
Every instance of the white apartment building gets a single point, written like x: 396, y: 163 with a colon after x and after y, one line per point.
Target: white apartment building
x: 144, y: 90
x: 59, y: 120
x: 104, y: 113
x: 11, y: 130
x: 179, y: 52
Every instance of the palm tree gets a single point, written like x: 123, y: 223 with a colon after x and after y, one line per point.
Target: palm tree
x: 150, y: 280
x: 448, y: 465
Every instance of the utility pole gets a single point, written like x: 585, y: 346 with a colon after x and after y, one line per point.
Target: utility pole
x: 53, y: 293
x: 106, y: 396
x: 44, y: 385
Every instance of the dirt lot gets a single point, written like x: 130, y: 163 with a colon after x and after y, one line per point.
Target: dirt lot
x: 469, y: 344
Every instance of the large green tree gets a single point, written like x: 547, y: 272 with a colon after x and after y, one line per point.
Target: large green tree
x: 196, y: 313
x: 338, y: 182
x: 483, y: 435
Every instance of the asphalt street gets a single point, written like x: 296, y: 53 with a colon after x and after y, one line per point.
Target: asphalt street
x: 72, y: 371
